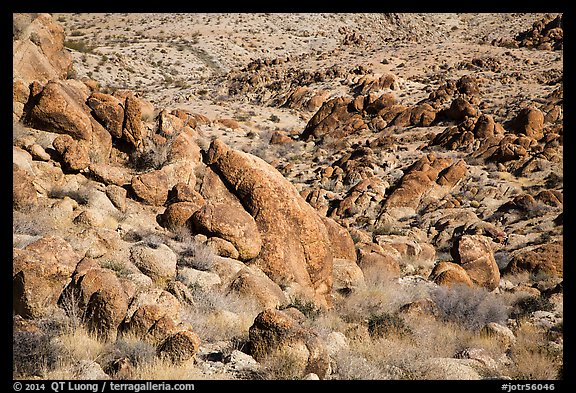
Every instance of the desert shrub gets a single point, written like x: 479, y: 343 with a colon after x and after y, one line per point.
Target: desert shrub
x: 353, y: 366
x: 79, y: 46
x: 307, y: 308
x: 37, y: 225
x: 380, y: 295
x: 524, y: 306
x: 388, y: 324
x: 75, y: 345
x: 218, y: 316
x: 153, y: 156
x: 118, y: 267
x: 152, y: 240
x: 196, y: 255
x: 532, y: 357
x: 32, y: 354
x: 139, y: 352
x: 69, y: 301
x: 282, y: 364
x: 471, y: 308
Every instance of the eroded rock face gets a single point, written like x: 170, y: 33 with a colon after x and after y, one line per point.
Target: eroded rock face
x: 251, y: 282
x: 333, y: 119
x: 276, y: 332
x: 295, y: 242
x: 109, y: 111
x: 60, y: 107
x: 74, y: 155
x: 424, y: 176
x: 474, y: 253
x: 40, y: 272
x: 153, y: 315
x: 541, y: 261
x: 450, y: 274
x: 224, y: 216
x: 151, y: 187
x: 38, y: 48
x: 100, y: 297
x: 180, y: 346
x: 23, y: 191
x: 530, y: 122
x: 158, y: 263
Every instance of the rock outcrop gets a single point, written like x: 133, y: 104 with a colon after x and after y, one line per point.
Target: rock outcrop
x: 295, y: 243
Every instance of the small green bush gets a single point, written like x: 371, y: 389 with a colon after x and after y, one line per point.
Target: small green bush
x: 388, y: 324
x: 79, y: 46
x: 524, y: 306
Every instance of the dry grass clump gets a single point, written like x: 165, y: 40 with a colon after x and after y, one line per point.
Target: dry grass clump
x: 218, y: 316
x: 284, y: 363
x: 161, y: 369
x: 378, y: 296
x: 76, y: 345
x: 472, y: 308
x: 533, y: 358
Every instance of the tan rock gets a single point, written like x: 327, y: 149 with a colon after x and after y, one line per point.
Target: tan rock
x: 450, y: 274
x: 38, y: 48
x: 101, y: 298
x: 117, y: 196
x: 378, y: 261
x: 342, y: 245
x: 223, y: 248
x: 485, y: 126
x: 178, y: 214
x: 23, y: 191
x: 179, y: 347
x: 474, y: 253
x: 151, y: 187
x: 40, y: 272
x: 295, y: 242
x: 183, y: 192
x: 183, y: 147
x: 451, y: 175
x: 133, y: 131
x: 252, y: 283
x: 229, y: 123
x: 279, y: 138
x: 146, y: 309
x: 333, y: 119
x: 204, y: 280
x: 348, y: 276
x: 231, y: 223
x: 60, y: 109
x: 275, y: 332
x: 38, y: 152
x: 74, y: 155
x: 157, y: 263
x: 109, y: 111
x: 540, y: 261
x: 461, y: 109
x: 530, y: 121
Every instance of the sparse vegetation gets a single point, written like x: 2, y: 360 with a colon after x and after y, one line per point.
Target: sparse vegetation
x: 79, y: 46
x: 373, y: 152
x: 472, y: 308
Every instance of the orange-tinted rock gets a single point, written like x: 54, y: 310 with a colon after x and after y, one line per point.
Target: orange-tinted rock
x: 295, y: 242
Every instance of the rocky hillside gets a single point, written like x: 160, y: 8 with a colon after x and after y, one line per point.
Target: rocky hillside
x: 288, y: 196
